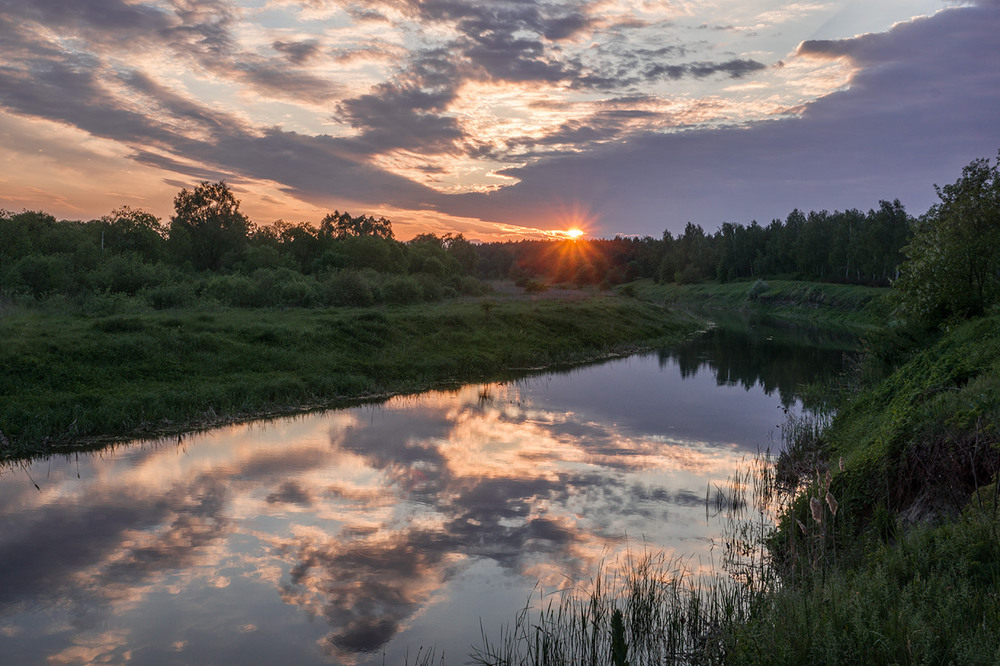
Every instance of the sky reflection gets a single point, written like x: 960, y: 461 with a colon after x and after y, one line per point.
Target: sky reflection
x: 373, y: 522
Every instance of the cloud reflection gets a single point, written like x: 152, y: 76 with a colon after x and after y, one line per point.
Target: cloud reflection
x: 360, y: 517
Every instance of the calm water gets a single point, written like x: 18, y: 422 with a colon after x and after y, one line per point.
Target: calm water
x: 344, y: 536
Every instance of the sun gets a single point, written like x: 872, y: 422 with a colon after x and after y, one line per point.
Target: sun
x: 574, y: 233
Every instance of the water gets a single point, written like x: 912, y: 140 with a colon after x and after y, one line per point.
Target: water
x: 360, y: 535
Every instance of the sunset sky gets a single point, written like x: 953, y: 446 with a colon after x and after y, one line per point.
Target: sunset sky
x: 495, y: 119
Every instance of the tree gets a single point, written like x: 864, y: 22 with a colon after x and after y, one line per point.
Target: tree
x: 128, y: 229
x: 953, y: 260
x: 342, y: 225
x: 209, y: 221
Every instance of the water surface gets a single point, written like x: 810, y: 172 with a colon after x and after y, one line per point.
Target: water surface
x: 352, y: 536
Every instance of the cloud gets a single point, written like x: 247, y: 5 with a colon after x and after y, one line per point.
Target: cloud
x: 425, y: 94
x: 403, y: 117
x: 297, y: 52
x: 922, y: 102
x: 733, y: 68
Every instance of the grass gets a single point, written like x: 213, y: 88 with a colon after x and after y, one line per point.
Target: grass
x: 886, y: 551
x: 650, y: 610
x: 68, y: 380
x: 830, y: 305
x: 908, y: 569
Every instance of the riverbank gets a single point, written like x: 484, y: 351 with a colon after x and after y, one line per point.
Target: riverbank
x: 71, y: 381
x: 887, y: 548
x: 823, y: 304
x: 895, y: 556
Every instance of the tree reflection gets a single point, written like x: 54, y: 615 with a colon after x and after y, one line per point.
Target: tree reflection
x: 777, y: 359
x: 361, y: 518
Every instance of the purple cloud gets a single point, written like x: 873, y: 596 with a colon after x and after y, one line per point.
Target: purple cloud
x: 924, y: 101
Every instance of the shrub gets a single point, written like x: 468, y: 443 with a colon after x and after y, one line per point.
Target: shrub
x: 757, y: 289
x: 127, y: 273
x: 471, y: 286
x: 173, y: 295
x: 430, y: 286
x: 230, y: 289
x: 348, y: 288
x: 283, y: 286
x: 45, y: 274
x: 534, y: 286
x: 689, y: 275
x: 401, y: 289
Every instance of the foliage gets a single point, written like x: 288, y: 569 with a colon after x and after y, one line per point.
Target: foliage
x: 342, y: 225
x: 134, y: 230
x: 758, y: 289
x: 130, y: 372
x: 208, y: 226
x: 846, y: 247
x: 953, y: 261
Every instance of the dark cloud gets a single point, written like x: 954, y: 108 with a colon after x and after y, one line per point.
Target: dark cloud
x: 99, y: 19
x: 366, y: 589
x: 394, y: 117
x: 40, y: 556
x: 188, y: 31
x: 44, y: 554
x: 298, y: 52
x: 924, y: 102
x: 290, y: 492
x: 733, y: 68
x: 275, y: 79
x: 204, y: 27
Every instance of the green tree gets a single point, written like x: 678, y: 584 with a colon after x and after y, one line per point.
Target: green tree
x: 208, y: 224
x: 342, y: 225
x: 128, y: 229
x: 953, y: 259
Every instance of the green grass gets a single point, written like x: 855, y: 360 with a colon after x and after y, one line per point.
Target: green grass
x: 908, y: 570
x: 927, y: 432
x: 68, y: 379
x: 887, y: 549
x: 820, y: 303
x: 646, y: 610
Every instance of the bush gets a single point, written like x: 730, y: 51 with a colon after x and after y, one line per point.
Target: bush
x: 401, y: 290
x: 283, y: 286
x: 230, y: 289
x: 757, y: 289
x: 533, y: 286
x: 173, y: 295
x: 127, y: 273
x: 430, y: 286
x: 45, y: 274
x: 471, y: 286
x: 690, y: 275
x: 348, y: 288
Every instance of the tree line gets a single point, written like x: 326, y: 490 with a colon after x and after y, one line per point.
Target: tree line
x: 211, y: 250
x: 943, y: 265
x: 946, y: 263
x: 848, y: 247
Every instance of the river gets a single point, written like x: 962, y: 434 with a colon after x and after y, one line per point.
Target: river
x: 357, y: 536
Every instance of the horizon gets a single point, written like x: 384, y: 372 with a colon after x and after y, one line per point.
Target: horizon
x: 497, y: 120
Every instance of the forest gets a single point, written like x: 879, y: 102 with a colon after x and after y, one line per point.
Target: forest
x: 210, y: 250
x: 847, y: 247
x: 942, y: 262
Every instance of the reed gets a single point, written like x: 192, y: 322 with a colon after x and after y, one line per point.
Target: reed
x: 649, y: 608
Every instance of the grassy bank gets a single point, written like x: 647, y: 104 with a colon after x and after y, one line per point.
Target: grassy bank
x: 907, y: 570
x: 887, y: 549
x: 68, y: 380
x: 812, y: 303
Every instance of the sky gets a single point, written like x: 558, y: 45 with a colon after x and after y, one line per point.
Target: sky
x: 500, y: 119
